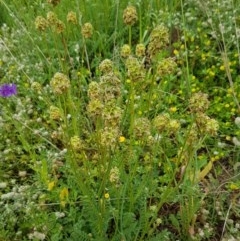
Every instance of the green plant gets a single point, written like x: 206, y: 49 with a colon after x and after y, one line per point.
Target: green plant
x: 120, y: 129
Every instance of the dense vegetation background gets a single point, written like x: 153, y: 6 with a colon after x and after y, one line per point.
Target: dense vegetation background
x: 119, y: 120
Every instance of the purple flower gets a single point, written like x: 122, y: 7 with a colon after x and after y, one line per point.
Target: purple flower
x: 7, y: 90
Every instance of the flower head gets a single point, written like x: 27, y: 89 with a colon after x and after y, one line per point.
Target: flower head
x: 76, y: 143
x: 41, y: 23
x: 130, y: 15
x: 72, y: 17
x: 54, y: 2
x: 7, y: 90
x: 125, y: 51
x: 106, y: 66
x: 140, y: 50
x: 87, y: 30
x: 159, y: 39
x: 52, y: 18
x: 60, y: 83
x: 199, y: 102
x: 166, y: 67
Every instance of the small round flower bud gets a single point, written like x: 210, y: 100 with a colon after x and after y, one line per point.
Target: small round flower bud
x: 106, y: 66
x: 199, y: 102
x: 55, y: 113
x: 174, y: 126
x: 110, y: 87
x: 212, y: 127
x: 95, y: 108
x: 166, y: 67
x: 94, y: 90
x: 54, y: 2
x: 142, y: 127
x: 52, y: 18
x: 159, y: 38
x: 76, y: 143
x: 111, y: 114
x: 136, y: 70
x: 72, y: 17
x: 125, y: 51
x: 41, y: 23
x: 59, y: 26
x: 87, y: 30
x: 60, y: 83
x: 161, y: 122
x: 140, y: 50
x: 130, y: 15
x: 206, y: 125
x: 36, y: 86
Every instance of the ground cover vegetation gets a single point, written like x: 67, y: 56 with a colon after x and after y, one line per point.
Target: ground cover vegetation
x: 120, y: 120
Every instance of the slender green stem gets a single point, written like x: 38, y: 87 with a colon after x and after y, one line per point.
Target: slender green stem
x: 186, y: 55
x: 130, y: 35
x: 86, y: 54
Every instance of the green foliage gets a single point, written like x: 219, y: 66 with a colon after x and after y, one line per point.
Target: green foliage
x: 125, y: 125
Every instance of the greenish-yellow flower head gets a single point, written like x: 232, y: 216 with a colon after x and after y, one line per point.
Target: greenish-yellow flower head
x: 55, y: 113
x: 87, y: 30
x: 36, y: 86
x: 142, y: 127
x: 94, y: 91
x: 136, y: 71
x: 54, y: 2
x: 159, y: 39
x: 166, y: 67
x: 206, y: 125
x: 114, y: 176
x: 109, y: 137
x: 52, y: 18
x: 161, y: 122
x: 199, y: 102
x: 72, y: 17
x: 41, y: 23
x: 60, y: 83
x: 130, y: 15
x: 106, y: 66
x: 125, y: 51
x: 59, y: 27
x: 76, y: 143
x: 140, y: 50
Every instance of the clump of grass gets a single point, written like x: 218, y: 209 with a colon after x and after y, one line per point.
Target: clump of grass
x: 117, y: 136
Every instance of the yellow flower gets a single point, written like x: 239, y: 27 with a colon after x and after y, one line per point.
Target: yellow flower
x: 63, y: 196
x: 222, y: 67
x: 234, y: 186
x: 173, y: 109
x: 51, y: 185
x: 122, y: 139
x: 176, y: 52
x: 106, y: 195
x: 228, y: 138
